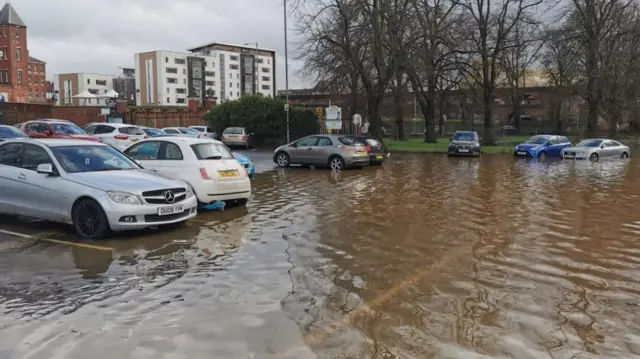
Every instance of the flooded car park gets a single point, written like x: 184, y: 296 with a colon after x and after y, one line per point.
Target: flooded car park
x: 426, y: 256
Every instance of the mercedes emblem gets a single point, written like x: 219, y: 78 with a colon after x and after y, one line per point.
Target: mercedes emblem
x: 169, y: 197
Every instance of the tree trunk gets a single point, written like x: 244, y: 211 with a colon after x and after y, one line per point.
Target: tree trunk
x: 399, y: 115
x: 375, y: 125
x: 557, y: 113
x: 593, y: 102
x: 515, y: 104
x: 430, y: 110
x: 441, y: 108
x: 488, y: 137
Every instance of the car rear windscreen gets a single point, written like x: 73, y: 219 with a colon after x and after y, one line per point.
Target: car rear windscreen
x: 211, y: 151
x: 131, y: 130
x: 233, y: 131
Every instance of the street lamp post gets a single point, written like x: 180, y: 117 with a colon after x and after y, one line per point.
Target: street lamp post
x: 286, y: 70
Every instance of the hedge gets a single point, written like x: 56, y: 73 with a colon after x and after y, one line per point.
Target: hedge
x: 265, y: 118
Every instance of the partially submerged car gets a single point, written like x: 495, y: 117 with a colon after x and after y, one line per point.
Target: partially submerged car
x: 594, y: 149
x: 542, y: 146
x: 464, y: 143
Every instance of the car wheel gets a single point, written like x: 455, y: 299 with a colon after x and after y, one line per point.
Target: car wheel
x: 624, y: 155
x: 89, y: 220
x: 336, y: 163
x: 282, y: 159
x: 594, y: 157
x: 542, y: 156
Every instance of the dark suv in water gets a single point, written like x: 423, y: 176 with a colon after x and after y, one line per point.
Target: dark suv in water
x: 464, y: 143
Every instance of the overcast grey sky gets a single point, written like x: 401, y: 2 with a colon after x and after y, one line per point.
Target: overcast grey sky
x: 100, y: 35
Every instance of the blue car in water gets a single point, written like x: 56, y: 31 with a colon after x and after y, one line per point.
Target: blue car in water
x: 245, y: 162
x: 542, y: 146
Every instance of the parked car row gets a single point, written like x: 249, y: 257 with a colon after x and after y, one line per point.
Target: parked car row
x: 545, y: 146
x: 334, y: 151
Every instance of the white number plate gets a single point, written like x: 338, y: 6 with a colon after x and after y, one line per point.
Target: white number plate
x: 463, y: 150
x: 165, y: 211
x: 522, y: 153
x: 569, y: 156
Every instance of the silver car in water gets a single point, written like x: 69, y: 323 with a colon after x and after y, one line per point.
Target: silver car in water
x: 595, y: 149
x: 333, y: 151
x: 89, y: 185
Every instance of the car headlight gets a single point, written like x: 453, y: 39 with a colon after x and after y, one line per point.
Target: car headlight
x: 189, y: 192
x: 124, y: 197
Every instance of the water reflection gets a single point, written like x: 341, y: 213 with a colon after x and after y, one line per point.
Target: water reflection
x: 426, y: 256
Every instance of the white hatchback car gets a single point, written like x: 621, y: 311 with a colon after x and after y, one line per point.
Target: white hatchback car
x: 205, y: 164
x: 118, y: 135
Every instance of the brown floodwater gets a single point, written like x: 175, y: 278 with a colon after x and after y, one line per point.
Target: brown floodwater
x: 425, y: 257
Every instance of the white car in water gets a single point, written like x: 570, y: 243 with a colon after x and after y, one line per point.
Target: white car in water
x: 205, y: 164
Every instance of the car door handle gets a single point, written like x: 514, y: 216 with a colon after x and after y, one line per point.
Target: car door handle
x: 22, y: 176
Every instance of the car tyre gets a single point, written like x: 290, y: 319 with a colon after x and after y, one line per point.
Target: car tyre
x: 336, y: 163
x: 624, y: 155
x: 89, y: 220
x: 282, y: 159
x: 594, y: 157
x: 542, y: 156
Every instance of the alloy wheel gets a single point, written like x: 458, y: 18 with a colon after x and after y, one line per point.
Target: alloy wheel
x: 88, y: 219
x: 283, y: 160
x: 336, y: 164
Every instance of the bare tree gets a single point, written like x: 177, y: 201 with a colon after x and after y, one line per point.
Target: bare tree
x: 522, y: 48
x: 398, y: 87
x: 488, y: 37
x: 596, y: 22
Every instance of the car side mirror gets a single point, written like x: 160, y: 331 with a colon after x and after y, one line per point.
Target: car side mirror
x: 293, y: 145
x: 603, y: 146
x: 45, y: 169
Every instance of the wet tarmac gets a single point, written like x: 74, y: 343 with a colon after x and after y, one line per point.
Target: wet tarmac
x: 424, y: 257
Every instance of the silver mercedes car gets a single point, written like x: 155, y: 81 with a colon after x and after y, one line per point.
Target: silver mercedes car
x: 333, y: 151
x: 595, y: 149
x: 89, y: 185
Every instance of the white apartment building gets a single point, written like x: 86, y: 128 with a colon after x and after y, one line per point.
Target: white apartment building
x: 167, y: 78
x: 69, y: 85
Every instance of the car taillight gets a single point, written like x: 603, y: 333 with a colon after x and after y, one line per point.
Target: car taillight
x: 145, y: 137
x: 354, y: 149
x: 368, y: 148
x: 244, y: 138
x: 204, y: 173
x: 120, y: 137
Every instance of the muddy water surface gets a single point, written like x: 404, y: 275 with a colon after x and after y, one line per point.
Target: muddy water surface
x: 426, y: 257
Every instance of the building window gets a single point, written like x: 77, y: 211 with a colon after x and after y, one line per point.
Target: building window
x: 101, y: 82
x: 171, y: 70
x: 238, y: 94
x: 29, y: 67
x: 19, y: 54
x: 237, y: 76
x: 230, y: 84
x: 19, y: 76
x: 265, y: 78
x: 230, y: 94
x: 266, y: 87
x: 180, y: 61
x: 181, y: 91
x: 88, y: 81
x: 268, y: 61
x: 172, y: 80
x: 265, y: 70
x: 168, y: 90
x: 29, y: 80
x: 89, y: 101
x: 184, y: 71
x: 230, y: 76
x: 210, y: 73
x: 237, y: 84
x: 184, y: 81
x: 233, y: 67
x: 210, y: 83
x: 4, y: 31
x: 233, y: 58
x: 42, y: 68
x: 180, y: 100
x: 17, y: 31
x: 94, y: 91
x: 166, y: 60
x: 168, y: 100
x: 37, y: 93
x: 30, y: 93
x: 260, y: 61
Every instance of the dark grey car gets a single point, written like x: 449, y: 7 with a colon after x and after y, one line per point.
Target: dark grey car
x: 333, y: 151
x: 464, y: 143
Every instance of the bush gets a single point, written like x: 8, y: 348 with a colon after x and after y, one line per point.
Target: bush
x: 265, y: 118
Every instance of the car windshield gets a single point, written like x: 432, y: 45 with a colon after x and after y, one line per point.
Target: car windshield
x: 11, y: 132
x: 537, y: 140
x: 233, y: 131
x: 464, y: 136
x: 211, y: 151
x: 189, y: 131
x: 589, y: 143
x: 74, y: 159
x: 67, y: 129
x: 199, y: 129
x: 152, y: 131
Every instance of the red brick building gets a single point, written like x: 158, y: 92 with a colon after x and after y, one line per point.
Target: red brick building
x: 22, y: 77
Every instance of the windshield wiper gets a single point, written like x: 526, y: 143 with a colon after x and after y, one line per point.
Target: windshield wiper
x: 107, y: 169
